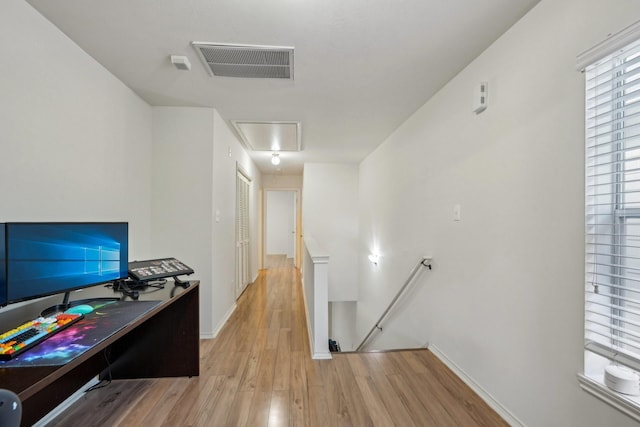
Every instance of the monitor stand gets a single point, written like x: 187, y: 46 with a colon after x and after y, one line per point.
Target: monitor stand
x: 66, y: 305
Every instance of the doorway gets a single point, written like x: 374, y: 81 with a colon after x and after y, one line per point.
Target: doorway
x: 281, y: 228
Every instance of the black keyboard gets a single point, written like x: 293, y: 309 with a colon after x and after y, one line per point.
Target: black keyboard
x: 30, y: 333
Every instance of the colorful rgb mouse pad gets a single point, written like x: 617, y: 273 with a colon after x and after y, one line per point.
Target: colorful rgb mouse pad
x: 106, y: 319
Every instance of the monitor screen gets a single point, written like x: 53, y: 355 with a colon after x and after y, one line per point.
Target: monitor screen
x: 50, y: 258
x: 3, y: 269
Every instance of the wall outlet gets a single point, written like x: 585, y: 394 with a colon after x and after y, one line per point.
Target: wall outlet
x: 480, y: 97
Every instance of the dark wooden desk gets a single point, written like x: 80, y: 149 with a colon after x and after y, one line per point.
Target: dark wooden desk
x: 162, y: 342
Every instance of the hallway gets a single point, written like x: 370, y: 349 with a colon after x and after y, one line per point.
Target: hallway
x: 258, y: 372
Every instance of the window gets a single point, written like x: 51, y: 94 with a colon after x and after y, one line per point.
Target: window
x: 612, y: 212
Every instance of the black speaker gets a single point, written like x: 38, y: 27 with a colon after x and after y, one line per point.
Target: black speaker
x: 10, y: 409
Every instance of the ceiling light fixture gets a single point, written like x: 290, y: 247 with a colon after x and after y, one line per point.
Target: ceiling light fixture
x: 275, y: 159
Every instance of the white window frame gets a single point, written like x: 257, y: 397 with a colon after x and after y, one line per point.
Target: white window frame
x: 609, y: 207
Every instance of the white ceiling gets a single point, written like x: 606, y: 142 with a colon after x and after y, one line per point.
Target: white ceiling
x: 361, y: 67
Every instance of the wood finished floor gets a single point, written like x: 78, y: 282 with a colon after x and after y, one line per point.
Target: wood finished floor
x: 258, y: 372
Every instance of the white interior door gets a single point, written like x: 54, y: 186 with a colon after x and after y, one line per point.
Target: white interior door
x: 242, y: 232
x: 280, y: 222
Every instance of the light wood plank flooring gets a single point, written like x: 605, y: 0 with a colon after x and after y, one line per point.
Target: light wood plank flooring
x: 258, y: 372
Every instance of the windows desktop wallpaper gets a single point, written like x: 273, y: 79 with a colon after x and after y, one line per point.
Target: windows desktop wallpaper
x: 48, y: 258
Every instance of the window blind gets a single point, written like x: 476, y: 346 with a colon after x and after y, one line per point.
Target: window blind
x: 612, y: 207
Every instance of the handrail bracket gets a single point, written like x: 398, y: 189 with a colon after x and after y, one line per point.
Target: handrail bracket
x: 426, y: 262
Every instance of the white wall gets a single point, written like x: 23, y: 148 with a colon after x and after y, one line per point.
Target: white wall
x: 195, y: 158
x: 228, y: 154
x: 505, y: 298
x: 181, y: 223
x: 78, y: 145
x: 282, y: 181
x: 75, y: 143
x: 330, y: 214
x: 281, y: 220
x: 342, y: 320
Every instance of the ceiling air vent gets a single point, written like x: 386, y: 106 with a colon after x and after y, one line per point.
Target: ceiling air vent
x: 256, y: 62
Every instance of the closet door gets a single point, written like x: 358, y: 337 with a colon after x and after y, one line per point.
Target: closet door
x: 242, y: 231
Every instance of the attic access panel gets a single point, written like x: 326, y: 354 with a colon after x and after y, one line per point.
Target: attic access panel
x: 246, y: 61
x: 269, y: 136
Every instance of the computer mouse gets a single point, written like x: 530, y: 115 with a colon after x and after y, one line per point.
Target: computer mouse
x: 10, y: 408
x: 80, y: 309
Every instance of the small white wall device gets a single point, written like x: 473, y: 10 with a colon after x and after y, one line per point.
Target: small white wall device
x: 622, y: 380
x: 181, y: 62
x: 480, y: 97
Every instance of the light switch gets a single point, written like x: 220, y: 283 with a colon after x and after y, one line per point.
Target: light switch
x: 217, y: 215
x: 456, y: 213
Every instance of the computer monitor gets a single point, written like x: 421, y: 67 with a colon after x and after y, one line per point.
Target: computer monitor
x: 51, y: 258
x: 3, y: 268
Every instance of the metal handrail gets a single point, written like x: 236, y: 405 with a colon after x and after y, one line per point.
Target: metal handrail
x: 424, y: 262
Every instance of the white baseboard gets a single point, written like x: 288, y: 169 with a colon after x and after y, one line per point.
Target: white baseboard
x: 217, y: 330
x: 484, y: 395
x: 321, y: 356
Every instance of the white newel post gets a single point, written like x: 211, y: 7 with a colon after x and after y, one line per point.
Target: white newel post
x: 315, y: 281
